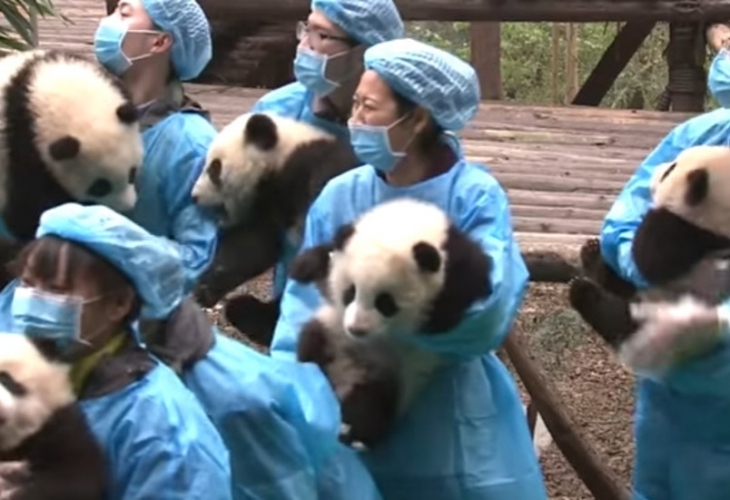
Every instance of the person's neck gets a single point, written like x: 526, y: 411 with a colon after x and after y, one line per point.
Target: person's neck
x: 338, y: 104
x: 145, y: 84
x: 417, y: 167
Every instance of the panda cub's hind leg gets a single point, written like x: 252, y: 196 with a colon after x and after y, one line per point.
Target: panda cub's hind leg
x: 596, y: 269
x: 609, y: 315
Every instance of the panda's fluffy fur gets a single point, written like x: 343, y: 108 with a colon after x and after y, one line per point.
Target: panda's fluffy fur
x: 402, y: 269
x: 70, y: 133
x: 43, y: 431
x: 262, y: 173
x: 682, y: 247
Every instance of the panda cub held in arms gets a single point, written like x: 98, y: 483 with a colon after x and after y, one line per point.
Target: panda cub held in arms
x: 681, y: 248
x: 401, y: 270
x: 69, y: 133
x: 262, y: 173
x: 47, y: 451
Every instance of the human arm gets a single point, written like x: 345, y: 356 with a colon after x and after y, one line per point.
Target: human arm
x: 192, y: 231
x: 300, y: 300
x: 482, y: 211
x: 169, y: 450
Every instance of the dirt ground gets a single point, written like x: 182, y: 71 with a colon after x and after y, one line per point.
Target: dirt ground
x: 594, y: 387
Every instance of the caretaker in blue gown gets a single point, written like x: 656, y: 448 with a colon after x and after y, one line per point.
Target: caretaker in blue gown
x: 328, y: 66
x: 680, y: 424
x: 81, y: 283
x: 466, y: 437
x: 153, y: 45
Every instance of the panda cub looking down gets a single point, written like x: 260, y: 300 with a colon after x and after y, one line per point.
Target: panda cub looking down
x: 262, y: 173
x: 44, y: 436
x: 402, y: 270
x: 69, y: 133
x: 681, y: 248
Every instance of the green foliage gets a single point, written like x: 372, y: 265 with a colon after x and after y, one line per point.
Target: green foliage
x: 527, y: 60
x: 17, y: 13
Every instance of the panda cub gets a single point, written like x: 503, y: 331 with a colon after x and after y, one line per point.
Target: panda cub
x: 69, y: 133
x: 262, y: 173
x: 47, y: 451
x: 402, y: 270
x: 681, y: 248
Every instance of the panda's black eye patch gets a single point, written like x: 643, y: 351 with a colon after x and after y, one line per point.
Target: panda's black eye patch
x: 100, y: 188
x: 349, y: 295
x: 132, y: 175
x: 214, y: 172
x: 11, y: 385
x: 385, y: 304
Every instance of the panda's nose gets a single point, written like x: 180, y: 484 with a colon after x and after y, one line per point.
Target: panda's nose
x: 358, y: 332
x: 195, y: 200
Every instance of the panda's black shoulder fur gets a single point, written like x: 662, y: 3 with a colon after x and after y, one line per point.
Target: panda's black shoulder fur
x: 30, y: 188
x: 290, y: 190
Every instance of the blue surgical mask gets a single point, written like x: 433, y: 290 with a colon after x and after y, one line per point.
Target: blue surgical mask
x: 371, y: 144
x: 309, y: 68
x: 718, y: 78
x: 40, y: 314
x: 108, y: 46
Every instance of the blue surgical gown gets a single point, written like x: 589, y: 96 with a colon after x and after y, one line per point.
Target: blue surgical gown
x: 159, y: 442
x: 466, y: 437
x: 280, y: 420
x: 681, y: 420
x: 175, y: 150
x: 294, y: 101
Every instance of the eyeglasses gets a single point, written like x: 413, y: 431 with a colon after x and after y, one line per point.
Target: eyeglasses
x: 316, y: 37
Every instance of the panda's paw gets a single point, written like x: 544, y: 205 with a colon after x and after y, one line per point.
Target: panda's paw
x: 583, y: 294
x: 311, y: 265
x: 590, y: 256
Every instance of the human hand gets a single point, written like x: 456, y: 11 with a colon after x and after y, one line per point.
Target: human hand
x: 670, y: 333
x: 12, y: 476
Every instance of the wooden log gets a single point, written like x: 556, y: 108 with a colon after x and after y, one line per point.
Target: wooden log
x: 597, y: 477
x: 613, y: 62
x: 494, y: 10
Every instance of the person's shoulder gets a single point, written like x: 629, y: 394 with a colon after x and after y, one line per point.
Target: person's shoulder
x: 697, y: 127
x: 346, y: 184
x: 285, y: 101
x: 188, y: 129
x: 475, y: 181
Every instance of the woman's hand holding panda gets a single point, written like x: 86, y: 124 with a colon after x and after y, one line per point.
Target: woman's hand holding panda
x: 672, y: 332
x: 12, y: 477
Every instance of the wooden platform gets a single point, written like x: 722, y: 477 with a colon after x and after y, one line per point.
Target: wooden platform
x: 562, y: 167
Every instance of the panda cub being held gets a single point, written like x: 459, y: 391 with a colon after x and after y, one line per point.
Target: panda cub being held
x: 262, y: 173
x: 47, y: 450
x: 681, y: 248
x: 402, y: 270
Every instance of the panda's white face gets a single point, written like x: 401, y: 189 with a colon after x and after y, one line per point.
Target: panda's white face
x: 391, y: 269
x: 247, y: 150
x: 694, y: 187
x: 31, y: 389
x: 93, y: 144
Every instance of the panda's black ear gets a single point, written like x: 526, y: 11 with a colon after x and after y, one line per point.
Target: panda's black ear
x: 65, y: 148
x: 127, y: 113
x: 261, y: 132
x: 343, y: 234
x: 698, y: 186
x: 427, y: 257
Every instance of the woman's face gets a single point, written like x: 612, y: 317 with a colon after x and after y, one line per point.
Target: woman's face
x: 323, y: 36
x: 375, y: 104
x: 102, y: 314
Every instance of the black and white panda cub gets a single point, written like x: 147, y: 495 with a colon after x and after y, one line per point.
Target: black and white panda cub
x: 402, y: 269
x: 47, y: 451
x: 681, y: 248
x: 69, y: 133
x: 262, y: 173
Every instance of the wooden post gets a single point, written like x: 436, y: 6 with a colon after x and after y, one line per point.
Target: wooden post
x: 555, y: 80
x: 33, y: 17
x: 687, y: 82
x: 486, y: 57
x: 571, y: 62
